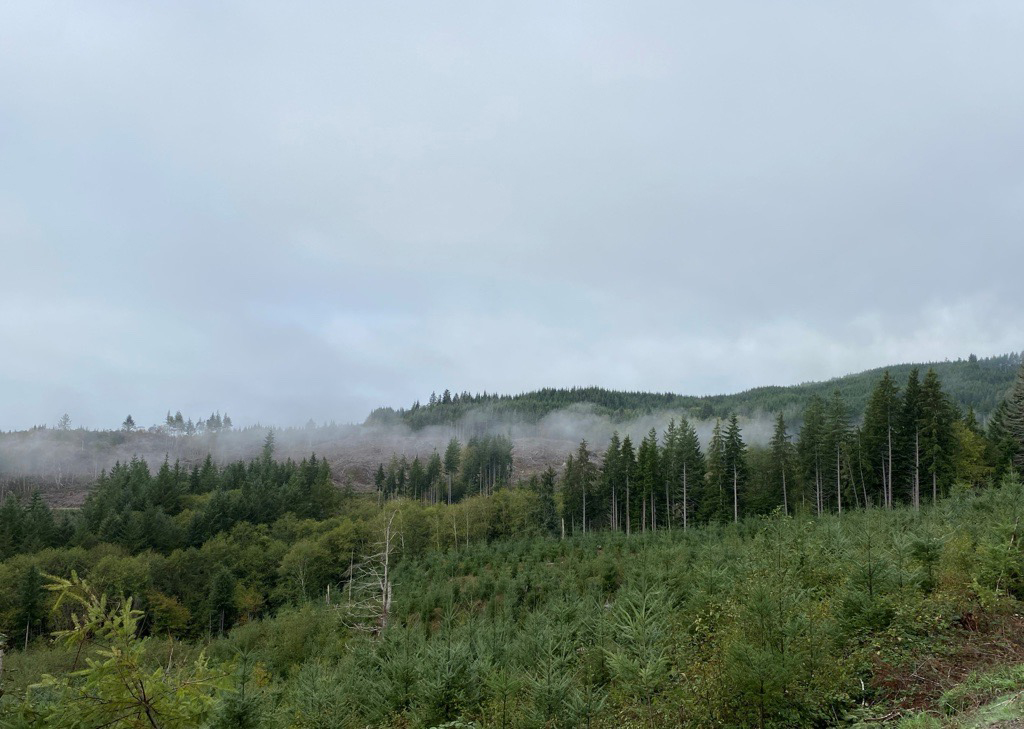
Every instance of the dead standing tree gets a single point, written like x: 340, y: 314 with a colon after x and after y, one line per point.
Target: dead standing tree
x: 371, y: 606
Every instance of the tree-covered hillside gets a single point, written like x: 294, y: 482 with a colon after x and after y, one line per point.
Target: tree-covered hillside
x: 978, y: 384
x: 849, y: 573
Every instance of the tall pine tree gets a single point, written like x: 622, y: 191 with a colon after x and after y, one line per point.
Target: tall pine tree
x: 937, y: 435
x: 736, y: 463
x: 781, y: 462
x: 879, y: 437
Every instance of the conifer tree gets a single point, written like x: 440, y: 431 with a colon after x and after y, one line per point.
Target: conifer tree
x: 433, y: 475
x: 735, y: 463
x: 612, y: 480
x: 910, y: 436
x: 452, y: 461
x: 836, y: 432
x: 627, y: 464
x: 810, y: 448
x: 402, y: 485
x: 578, y: 484
x: 222, y: 600
x: 669, y: 467
x: 781, y: 459
x: 164, y: 490
x: 1011, y: 423
x: 649, y: 474
x: 12, y: 526
x: 880, y: 436
x: 30, y: 603
x: 937, y: 437
x: 379, y: 482
x: 38, y: 524
x: 417, y: 478
x: 688, y: 461
x: 714, y: 501
x: 545, y: 489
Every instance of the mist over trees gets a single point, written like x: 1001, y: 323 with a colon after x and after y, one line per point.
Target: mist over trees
x: 978, y: 384
x: 662, y: 581
x: 909, y: 445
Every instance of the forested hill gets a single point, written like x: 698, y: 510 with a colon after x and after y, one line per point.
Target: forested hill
x: 980, y: 384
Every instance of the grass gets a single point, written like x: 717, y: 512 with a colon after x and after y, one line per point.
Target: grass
x: 985, y: 699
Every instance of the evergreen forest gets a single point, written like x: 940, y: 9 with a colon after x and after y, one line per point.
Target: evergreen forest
x: 863, y: 567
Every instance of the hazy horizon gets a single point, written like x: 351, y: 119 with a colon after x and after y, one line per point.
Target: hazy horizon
x: 239, y: 421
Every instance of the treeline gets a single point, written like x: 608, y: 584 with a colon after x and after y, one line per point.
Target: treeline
x: 176, y: 508
x: 178, y: 425
x: 907, y: 437
x: 978, y: 384
x: 227, y: 555
x: 482, y: 465
x: 175, y: 424
x: 911, y: 443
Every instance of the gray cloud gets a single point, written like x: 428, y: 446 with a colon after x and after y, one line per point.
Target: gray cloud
x: 295, y: 212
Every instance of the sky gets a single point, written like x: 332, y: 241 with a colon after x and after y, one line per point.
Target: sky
x: 307, y: 210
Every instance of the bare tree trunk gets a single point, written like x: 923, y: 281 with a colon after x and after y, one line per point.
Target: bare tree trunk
x: 885, y: 486
x: 860, y: 463
x: 351, y: 573
x: 584, y: 509
x: 917, y: 470
x: 628, y: 513
x: 839, y: 487
x: 935, y: 487
x: 888, y: 494
x: 853, y: 485
x: 817, y: 486
x: 735, y: 495
x: 684, y: 498
x: 668, y: 507
x: 385, y: 577
x: 785, y: 497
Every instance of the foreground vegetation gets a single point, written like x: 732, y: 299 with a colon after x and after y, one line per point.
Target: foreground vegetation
x: 816, y: 584
x: 776, y: 621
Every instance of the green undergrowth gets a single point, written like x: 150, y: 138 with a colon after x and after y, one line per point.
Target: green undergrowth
x: 879, y: 617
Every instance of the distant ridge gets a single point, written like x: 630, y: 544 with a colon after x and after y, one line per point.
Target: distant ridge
x: 978, y: 383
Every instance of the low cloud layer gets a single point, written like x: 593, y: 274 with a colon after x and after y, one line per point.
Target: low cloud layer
x: 63, y: 465
x: 309, y: 212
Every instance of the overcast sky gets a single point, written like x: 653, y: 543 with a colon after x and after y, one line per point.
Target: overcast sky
x: 295, y: 210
